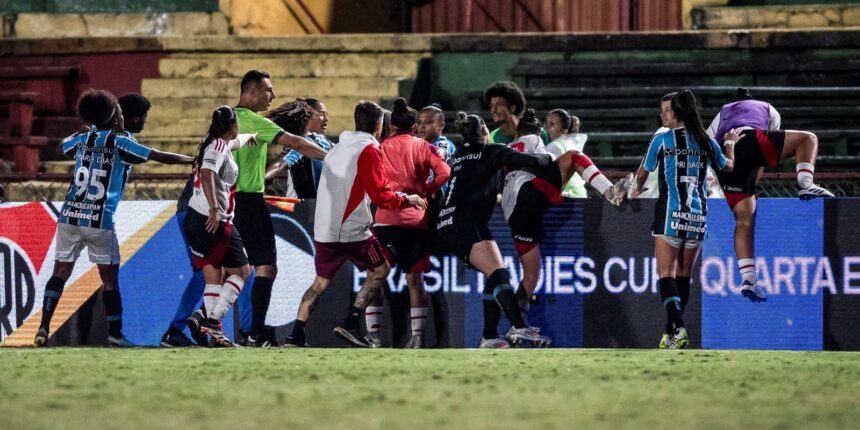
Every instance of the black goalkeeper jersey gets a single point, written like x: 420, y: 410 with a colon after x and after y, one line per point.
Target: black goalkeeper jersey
x: 472, y: 187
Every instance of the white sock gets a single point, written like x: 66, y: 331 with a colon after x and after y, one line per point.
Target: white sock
x: 210, y: 297
x: 372, y: 316
x: 747, y: 268
x: 419, y: 320
x: 594, y: 177
x: 804, y: 174
x: 231, y: 289
x: 524, y: 310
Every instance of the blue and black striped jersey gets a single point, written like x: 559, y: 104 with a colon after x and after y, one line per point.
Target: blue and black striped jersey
x: 682, y: 207
x: 103, y: 161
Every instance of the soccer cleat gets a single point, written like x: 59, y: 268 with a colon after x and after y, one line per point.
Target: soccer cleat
x: 120, y: 342
x: 813, y: 191
x: 373, y: 340
x: 175, y: 339
x: 620, y: 190
x: 527, y: 335
x: 664, y: 342
x: 291, y: 342
x: 679, y: 340
x: 216, y: 334
x: 753, y: 292
x: 352, y: 336
x: 194, y: 322
x: 41, y: 337
x: 415, y: 342
x: 495, y: 343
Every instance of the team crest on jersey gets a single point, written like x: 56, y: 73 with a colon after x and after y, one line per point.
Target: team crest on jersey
x: 23, y: 251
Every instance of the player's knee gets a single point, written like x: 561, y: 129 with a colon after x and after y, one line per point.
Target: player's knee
x: 379, y: 273
x: 244, y: 272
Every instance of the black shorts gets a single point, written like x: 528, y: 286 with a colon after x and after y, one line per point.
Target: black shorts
x: 253, y: 221
x: 526, y: 221
x: 459, y: 239
x: 222, y: 249
x: 755, y: 149
x: 409, y: 246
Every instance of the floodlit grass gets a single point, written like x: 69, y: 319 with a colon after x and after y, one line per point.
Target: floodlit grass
x: 154, y: 389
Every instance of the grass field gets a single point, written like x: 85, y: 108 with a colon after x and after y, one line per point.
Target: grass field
x: 154, y: 389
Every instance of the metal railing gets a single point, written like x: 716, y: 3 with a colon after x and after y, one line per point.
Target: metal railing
x: 53, y: 187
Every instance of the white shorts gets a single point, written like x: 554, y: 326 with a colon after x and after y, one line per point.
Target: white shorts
x: 675, y: 242
x: 102, y: 245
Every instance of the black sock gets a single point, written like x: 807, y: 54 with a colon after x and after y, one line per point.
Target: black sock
x: 499, y: 284
x: 351, y: 321
x: 683, y: 284
x: 113, y: 309
x: 492, y: 314
x: 671, y: 301
x: 298, y: 333
x: 53, y: 291
x: 261, y: 294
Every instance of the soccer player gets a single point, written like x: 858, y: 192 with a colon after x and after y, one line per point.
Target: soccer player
x: 564, y: 135
x: 761, y: 144
x: 462, y: 226
x: 216, y: 247
x: 252, y: 217
x: 507, y: 104
x: 135, y: 108
x: 429, y: 126
x: 298, y: 117
x: 529, y: 193
x: 353, y: 177
x: 103, y: 160
x: 682, y: 155
x: 408, y: 162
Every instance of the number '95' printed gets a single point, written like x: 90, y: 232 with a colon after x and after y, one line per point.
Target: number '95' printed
x: 103, y: 162
x: 682, y: 206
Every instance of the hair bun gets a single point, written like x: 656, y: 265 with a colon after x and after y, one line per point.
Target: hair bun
x: 461, y: 116
x: 400, y: 105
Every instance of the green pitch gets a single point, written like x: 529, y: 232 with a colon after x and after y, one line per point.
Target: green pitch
x: 156, y: 389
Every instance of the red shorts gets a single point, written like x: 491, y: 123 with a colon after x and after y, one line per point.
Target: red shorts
x: 364, y: 255
x: 734, y: 198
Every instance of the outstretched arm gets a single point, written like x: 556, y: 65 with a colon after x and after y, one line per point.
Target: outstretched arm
x: 169, y: 157
x: 301, y: 145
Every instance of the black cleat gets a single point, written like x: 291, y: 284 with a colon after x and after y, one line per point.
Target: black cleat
x: 175, y: 339
x: 292, y: 342
x: 351, y: 336
x: 194, y: 322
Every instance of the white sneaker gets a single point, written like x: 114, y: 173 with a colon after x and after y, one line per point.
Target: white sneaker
x: 522, y: 336
x: 120, y: 342
x: 753, y: 292
x: 495, y: 343
x: 813, y: 191
x: 415, y: 342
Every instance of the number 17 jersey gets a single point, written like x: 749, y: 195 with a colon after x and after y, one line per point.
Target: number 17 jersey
x: 103, y: 161
x: 682, y: 207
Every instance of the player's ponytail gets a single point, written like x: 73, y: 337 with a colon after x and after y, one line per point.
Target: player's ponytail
x: 471, y: 127
x: 223, y: 118
x: 687, y: 110
x: 529, y: 124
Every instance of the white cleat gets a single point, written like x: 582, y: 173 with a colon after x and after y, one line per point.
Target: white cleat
x: 415, y: 342
x: 679, y: 340
x: 620, y: 190
x: 527, y: 335
x: 373, y: 340
x: 753, y: 292
x: 812, y: 192
x: 496, y: 343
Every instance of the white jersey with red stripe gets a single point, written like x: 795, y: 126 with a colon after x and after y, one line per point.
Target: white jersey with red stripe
x: 217, y: 158
x: 529, y: 144
x: 352, y: 176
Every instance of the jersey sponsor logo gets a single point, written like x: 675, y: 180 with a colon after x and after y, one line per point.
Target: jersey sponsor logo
x: 683, y: 226
x: 670, y: 152
x: 474, y: 156
x: 447, y: 211
x: 445, y: 222
x: 686, y: 216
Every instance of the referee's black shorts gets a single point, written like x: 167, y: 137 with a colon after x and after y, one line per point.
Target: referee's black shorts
x: 252, y: 219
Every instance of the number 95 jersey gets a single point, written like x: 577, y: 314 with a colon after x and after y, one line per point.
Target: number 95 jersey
x: 682, y: 206
x: 103, y: 161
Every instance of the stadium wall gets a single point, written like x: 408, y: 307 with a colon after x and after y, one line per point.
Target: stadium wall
x: 598, y: 288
